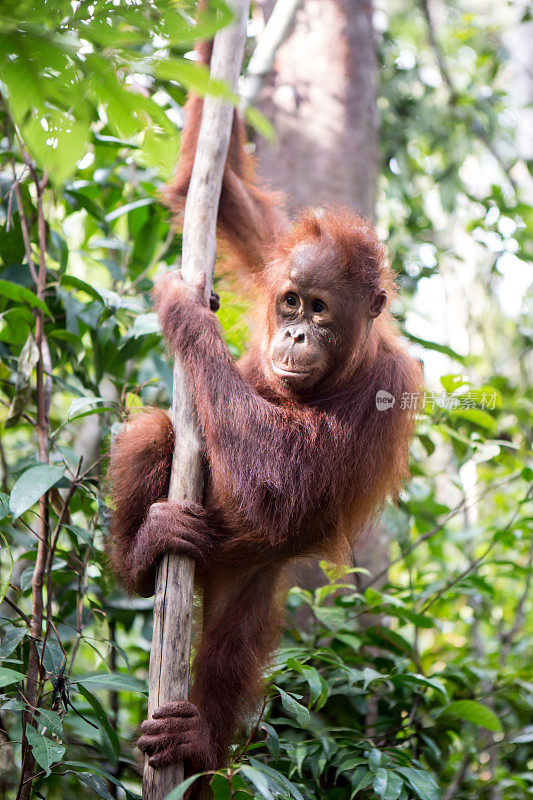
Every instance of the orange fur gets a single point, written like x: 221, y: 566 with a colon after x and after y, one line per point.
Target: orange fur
x: 288, y: 474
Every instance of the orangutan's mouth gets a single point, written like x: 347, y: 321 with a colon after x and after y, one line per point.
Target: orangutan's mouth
x: 284, y: 372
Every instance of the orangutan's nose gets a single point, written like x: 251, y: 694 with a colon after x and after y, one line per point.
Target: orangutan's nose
x: 296, y: 334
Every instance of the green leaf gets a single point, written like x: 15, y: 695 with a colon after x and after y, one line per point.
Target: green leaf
x: 102, y: 718
x: 20, y: 294
x: 375, y: 759
x: 27, y: 361
x: 45, y: 751
x: 370, y: 675
x: 125, y: 209
x: 51, y: 721
x: 438, y: 348
x: 450, y: 383
x: 194, y: 76
x: 96, y: 783
x: 9, y: 676
x: 257, y: 779
x: 424, y: 786
x: 82, y: 402
x: 144, y: 325
x: 179, y: 791
x: 272, y: 739
x: 317, y: 686
x: 81, y: 767
x: 434, y: 683
x: 295, y: 709
x: 4, y: 506
x: 6, y: 573
x: 387, y: 784
x: 72, y: 282
x: 363, y: 778
x: 472, y: 711
x: 31, y: 486
x: 113, y: 681
x: 262, y: 125
x: 278, y: 778
x: 13, y: 705
x: 53, y: 657
x: 59, y: 147
x: 11, y: 640
x: 477, y: 416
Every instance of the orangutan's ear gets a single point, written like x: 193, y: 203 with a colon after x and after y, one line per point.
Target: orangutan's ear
x: 378, y: 303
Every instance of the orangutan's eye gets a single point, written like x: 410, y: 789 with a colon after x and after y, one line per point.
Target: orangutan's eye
x: 291, y: 300
x: 318, y: 306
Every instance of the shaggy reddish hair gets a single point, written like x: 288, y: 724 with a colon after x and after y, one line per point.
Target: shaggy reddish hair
x: 287, y: 475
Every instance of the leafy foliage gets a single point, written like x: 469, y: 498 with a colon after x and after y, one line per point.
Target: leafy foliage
x: 413, y: 684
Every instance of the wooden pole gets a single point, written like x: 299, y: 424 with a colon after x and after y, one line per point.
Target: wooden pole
x: 171, y: 644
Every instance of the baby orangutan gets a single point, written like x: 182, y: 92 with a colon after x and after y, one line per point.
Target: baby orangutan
x: 299, y: 457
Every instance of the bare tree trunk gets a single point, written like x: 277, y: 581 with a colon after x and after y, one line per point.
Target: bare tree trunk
x: 321, y: 99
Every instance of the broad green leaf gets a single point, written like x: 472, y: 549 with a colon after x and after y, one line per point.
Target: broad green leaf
x: 4, y: 506
x: 53, y: 657
x: 13, y: 705
x: 363, y: 779
x: 20, y: 294
x: 422, y: 783
x: 144, y: 325
x: 370, y: 675
x: 387, y: 784
x: 72, y: 282
x: 45, y: 751
x: 318, y: 687
x: 477, y: 416
x: 278, y: 778
x: 450, y: 383
x: 114, y: 681
x: 349, y: 763
x: 295, y: 709
x: 375, y: 759
x: 472, y: 711
x: 81, y: 766
x: 31, y: 486
x: 51, y: 721
x: 259, y: 780
x: 60, y: 145
x: 11, y: 640
x: 102, y: 718
x: 82, y: 402
x: 272, y: 739
x: 194, y: 76
x: 349, y: 639
x: 9, y: 676
x: 96, y: 783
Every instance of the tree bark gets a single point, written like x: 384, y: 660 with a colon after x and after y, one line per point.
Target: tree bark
x: 170, y: 656
x: 321, y: 99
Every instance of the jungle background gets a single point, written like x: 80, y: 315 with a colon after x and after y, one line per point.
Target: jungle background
x: 415, y: 680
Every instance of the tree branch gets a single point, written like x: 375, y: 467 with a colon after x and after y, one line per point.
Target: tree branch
x: 262, y: 60
x: 43, y: 402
